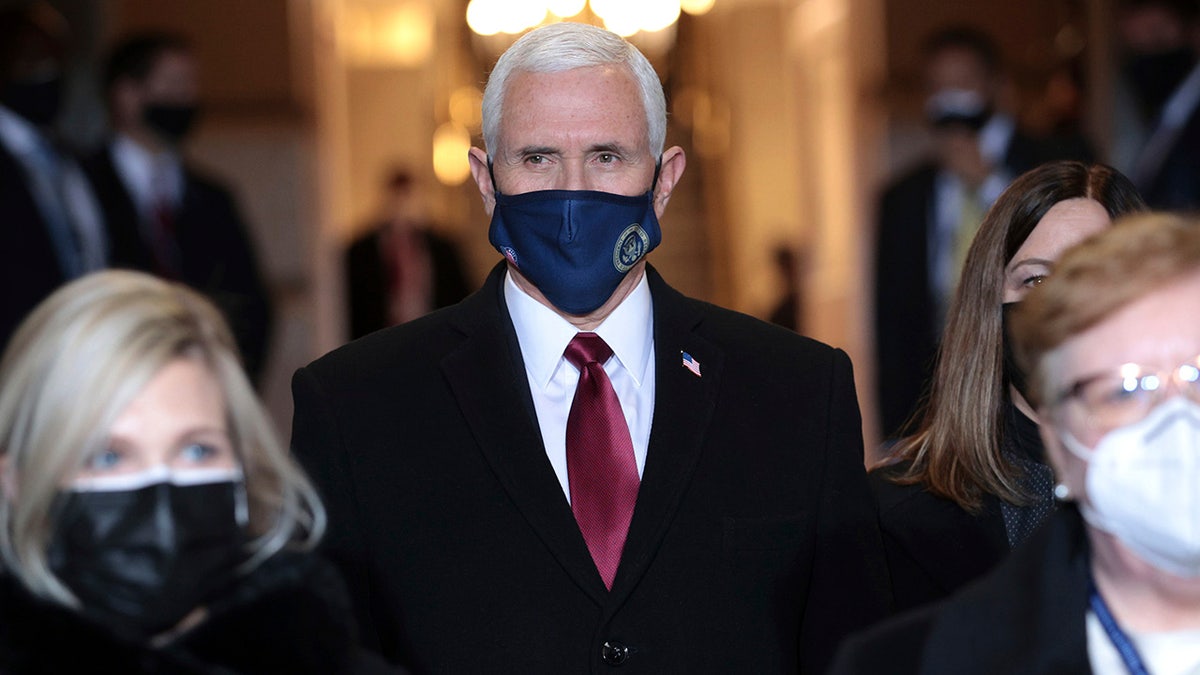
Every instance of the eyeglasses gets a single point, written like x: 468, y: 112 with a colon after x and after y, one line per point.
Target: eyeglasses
x: 1112, y: 400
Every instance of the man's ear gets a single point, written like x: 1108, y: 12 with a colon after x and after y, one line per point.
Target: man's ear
x: 483, y: 178
x: 669, y: 172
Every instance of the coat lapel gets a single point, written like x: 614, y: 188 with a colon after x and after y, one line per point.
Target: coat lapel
x: 683, y: 407
x: 488, y: 377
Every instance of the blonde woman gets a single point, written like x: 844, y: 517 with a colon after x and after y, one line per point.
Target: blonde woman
x: 150, y: 521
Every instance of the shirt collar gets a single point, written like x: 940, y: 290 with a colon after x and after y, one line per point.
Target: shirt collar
x: 994, y: 138
x: 20, y: 136
x: 544, y: 335
x: 139, y: 166
x: 1183, y: 101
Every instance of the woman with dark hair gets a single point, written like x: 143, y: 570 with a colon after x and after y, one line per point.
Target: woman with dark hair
x: 971, y: 481
x: 1111, y: 582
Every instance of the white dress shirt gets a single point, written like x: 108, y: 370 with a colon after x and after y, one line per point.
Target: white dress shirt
x: 150, y: 178
x: 1175, y: 113
x: 949, y: 193
x: 1169, y: 653
x: 544, y: 336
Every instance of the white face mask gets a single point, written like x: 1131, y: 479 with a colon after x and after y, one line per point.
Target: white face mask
x: 1143, y: 485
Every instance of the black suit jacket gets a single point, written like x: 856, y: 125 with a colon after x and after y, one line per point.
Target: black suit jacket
x: 753, y: 546
x: 1026, y: 616
x: 933, y: 546
x: 29, y: 267
x: 367, y: 280
x: 1176, y: 184
x: 906, y: 325
x: 216, y: 254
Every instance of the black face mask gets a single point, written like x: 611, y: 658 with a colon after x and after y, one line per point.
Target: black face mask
x: 172, y: 122
x: 1154, y: 77
x: 142, y: 559
x: 37, y: 100
x: 1013, y: 373
x: 958, y: 109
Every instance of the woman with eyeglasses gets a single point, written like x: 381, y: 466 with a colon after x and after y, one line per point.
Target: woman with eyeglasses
x: 971, y: 482
x: 1112, y: 583
x: 150, y: 522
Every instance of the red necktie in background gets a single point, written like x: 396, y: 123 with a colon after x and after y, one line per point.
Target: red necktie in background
x: 601, y: 469
x: 162, y: 242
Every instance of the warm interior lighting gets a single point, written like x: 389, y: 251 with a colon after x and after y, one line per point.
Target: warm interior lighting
x: 521, y: 15
x: 658, y: 15
x: 565, y: 8
x: 624, y: 17
x: 388, y: 35
x: 451, y: 141
x: 488, y: 17
x: 465, y: 104
x: 482, y: 17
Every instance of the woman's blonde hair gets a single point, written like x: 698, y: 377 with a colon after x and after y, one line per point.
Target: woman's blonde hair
x: 1095, y: 280
x: 76, y: 363
x: 955, y: 449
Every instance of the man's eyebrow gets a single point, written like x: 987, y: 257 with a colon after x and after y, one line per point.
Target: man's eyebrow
x: 536, y: 150
x: 611, y: 146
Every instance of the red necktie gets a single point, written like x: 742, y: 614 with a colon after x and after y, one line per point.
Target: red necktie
x: 162, y: 240
x: 601, y: 469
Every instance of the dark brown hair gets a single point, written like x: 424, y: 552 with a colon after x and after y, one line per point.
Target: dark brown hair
x: 955, y: 450
x: 135, y: 56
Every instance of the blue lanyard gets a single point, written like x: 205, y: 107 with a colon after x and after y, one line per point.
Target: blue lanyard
x: 1124, y: 646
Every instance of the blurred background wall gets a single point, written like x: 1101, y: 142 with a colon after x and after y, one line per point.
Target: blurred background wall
x: 793, y: 113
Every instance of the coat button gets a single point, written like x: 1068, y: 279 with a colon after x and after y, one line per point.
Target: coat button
x: 614, y: 653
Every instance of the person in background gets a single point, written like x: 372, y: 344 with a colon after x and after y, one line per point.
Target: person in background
x: 1111, y: 584
x: 972, y: 481
x: 150, y: 520
x: 929, y: 215
x: 793, y: 267
x: 1158, y: 139
x: 401, y: 269
x: 164, y: 216
x: 51, y: 227
x: 578, y: 468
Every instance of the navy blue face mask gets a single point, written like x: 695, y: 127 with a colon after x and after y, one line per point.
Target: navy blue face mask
x: 575, y: 246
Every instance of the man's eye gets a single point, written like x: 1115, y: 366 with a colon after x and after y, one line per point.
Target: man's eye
x: 535, y: 159
x: 607, y: 158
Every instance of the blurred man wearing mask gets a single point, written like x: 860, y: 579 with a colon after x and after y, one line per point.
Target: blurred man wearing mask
x: 1159, y: 116
x: 164, y: 216
x: 929, y: 215
x: 52, y: 230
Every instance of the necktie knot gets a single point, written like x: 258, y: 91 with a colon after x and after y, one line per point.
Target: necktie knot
x: 587, y: 348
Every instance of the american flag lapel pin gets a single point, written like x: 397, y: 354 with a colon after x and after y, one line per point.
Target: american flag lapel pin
x: 691, y: 363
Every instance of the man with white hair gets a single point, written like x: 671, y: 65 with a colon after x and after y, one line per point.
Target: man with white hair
x: 577, y: 467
